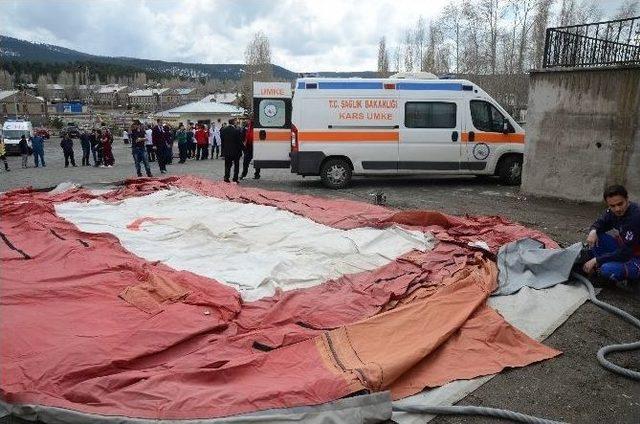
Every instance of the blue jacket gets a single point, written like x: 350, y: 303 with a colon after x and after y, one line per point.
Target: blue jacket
x: 628, y: 233
x: 37, y: 143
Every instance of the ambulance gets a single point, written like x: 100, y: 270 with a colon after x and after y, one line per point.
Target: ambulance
x: 12, y: 132
x: 341, y: 127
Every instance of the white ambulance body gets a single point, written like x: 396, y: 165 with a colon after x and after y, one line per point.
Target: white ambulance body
x: 343, y: 127
x: 271, y: 124
x: 12, y: 132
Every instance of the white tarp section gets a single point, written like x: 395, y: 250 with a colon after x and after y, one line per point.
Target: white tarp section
x: 538, y: 313
x: 255, y: 249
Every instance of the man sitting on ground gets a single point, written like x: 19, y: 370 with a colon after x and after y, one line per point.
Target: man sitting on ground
x: 615, y: 239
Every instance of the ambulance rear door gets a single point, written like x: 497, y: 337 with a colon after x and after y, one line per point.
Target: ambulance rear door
x: 271, y: 124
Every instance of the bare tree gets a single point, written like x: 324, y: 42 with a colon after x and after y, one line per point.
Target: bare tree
x: 567, y: 12
x: 64, y: 78
x: 539, y: 30
x: 451, y: 22
x: 573, y: 12
x: 383, y: 58
x: 524, y: 10
x: 43, y: 91
x: 419, y: 41
x: 258, y: 67
x: 397, y: 59
x: 140, y: 79
x: 628, y: 9
x: 6, y: 79
x: 491, y: 11
x: 24, y: 77
x: 471, y: 57
x: 440, y: 49
x: 428, y: 57
x: 257, y: 56
x: 588, y: 11
x: 408, y: 51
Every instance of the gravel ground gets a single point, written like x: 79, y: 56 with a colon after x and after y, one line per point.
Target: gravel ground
x: 572, y: 388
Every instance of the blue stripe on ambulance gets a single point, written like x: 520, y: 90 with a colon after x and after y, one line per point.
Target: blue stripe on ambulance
x: 353, y: 85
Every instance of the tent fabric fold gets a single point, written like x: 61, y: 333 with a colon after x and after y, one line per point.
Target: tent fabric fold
x: 89, y: 326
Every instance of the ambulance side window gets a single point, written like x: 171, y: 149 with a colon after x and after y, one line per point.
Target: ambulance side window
x: 430, y: 115
x: 272, y: 113
x: 486, y: 117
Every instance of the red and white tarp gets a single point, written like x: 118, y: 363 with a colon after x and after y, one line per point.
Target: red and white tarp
x: 183, y: 298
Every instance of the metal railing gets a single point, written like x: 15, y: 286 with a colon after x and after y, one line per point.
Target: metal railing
x: 593, y: 45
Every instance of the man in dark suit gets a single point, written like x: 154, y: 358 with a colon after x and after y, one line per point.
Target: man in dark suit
x: 159, y: 139
x: 231, y: 150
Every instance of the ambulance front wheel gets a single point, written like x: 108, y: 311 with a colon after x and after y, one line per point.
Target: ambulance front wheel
x: 510, y: 170
x: 336, y: 173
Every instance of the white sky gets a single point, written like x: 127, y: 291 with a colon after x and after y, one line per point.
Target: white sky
x: 317, y: 35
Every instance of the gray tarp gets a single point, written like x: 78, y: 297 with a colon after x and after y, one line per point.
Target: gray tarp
x: 364, y: 409
x: 526, y: 263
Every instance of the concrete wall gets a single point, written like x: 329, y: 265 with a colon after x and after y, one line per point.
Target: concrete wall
x: 583, y: 132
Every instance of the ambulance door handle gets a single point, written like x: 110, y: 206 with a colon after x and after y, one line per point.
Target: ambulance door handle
x: 262, y: 135
x: 472, y: 136
x: 454, y: 136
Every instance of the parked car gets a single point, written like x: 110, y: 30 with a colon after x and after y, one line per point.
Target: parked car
x: 42, y: 132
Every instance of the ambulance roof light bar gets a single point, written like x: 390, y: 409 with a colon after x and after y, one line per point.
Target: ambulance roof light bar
x: 414, y: 75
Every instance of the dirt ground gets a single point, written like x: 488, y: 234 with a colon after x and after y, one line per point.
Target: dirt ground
x: 572, y: 388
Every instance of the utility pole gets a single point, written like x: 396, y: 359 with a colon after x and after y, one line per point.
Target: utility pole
x: 15, y: 102
x: 89, y: 97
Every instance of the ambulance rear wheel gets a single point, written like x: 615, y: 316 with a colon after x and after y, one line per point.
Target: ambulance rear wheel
x: 510, y: 170
x: 336, y: 173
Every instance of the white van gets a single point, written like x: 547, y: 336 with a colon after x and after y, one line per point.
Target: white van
x: 12, y: 131
x: 343, y: 127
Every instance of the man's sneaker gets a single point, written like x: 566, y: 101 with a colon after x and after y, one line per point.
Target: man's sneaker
x: 583, y: 257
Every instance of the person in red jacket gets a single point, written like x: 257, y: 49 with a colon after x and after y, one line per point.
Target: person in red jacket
x: 202, y: 141
x: 248, y: 152
x: 107, y: 139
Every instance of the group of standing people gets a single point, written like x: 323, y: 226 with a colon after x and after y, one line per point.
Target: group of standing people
x: 96, y: 142
x: 34, y: 145
x: 154, y: 143
x: 193, y: 142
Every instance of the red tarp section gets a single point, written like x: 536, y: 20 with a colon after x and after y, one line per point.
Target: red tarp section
x: 86, y: 325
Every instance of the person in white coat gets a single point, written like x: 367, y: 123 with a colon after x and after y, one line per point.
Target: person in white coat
x: 211, y: 138
x: 151, y: 153
x: 216, y: 139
